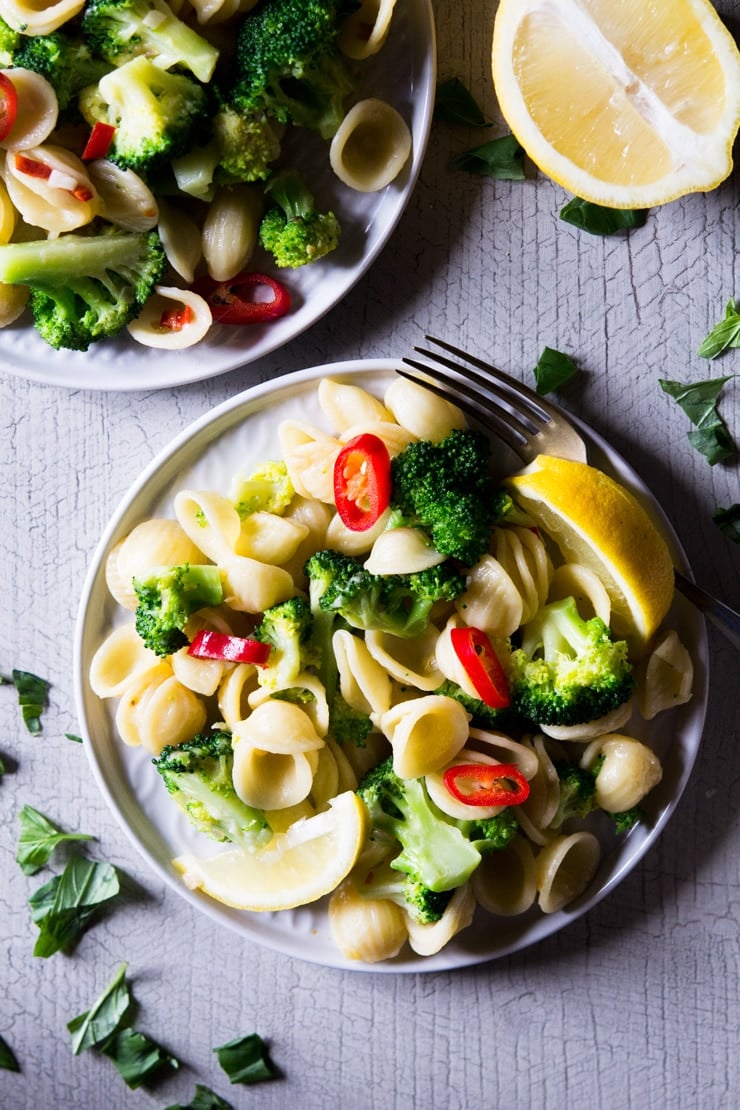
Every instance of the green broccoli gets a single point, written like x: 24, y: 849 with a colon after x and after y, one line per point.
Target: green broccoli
x: 627, y: 819
x: 434, y: 851
x: 291, y: 229
x: 482, y: 715
x: 568, y: 670
x: 400, y: 604
x: 288, y: 65
x: 287, y: 629
x: 578, y: 797
x: 422, y: 904
x: 247, y: 144
x: 65, y: 61
x: 447, y: 490
x: 84, y: 288
x: 155, y: 113
x: 10, y: 39
x: 198, y: 775
x: 167, y: 597
x: 490, y: 834
x: 121, y: 30
x: 348, y: 725
x: 267, y: 488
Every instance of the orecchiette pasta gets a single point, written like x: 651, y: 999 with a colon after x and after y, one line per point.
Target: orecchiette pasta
x: 38, y: 109
x: 564, y: 868
x: 428, y: 939
x: 666, y: 679
x: 365, y: 30
x: 348, y: 405
x: 366, y: 929
x: 410, y: 662
x: 171, y: 319
x: 422, y: 413
x: 230, y: 230
x: 402, y: 551
x: 124, y: 198
x: 371, y: 146
x: 506, y: 883
x: 628, y: 771
x: 425, y: 733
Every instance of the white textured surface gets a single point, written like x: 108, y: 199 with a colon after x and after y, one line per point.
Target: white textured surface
x: 635, y: 1005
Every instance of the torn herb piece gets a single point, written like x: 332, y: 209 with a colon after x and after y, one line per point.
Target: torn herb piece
x: 728, y: 521
x: 246, y: 1060
x: 597, y: 219
x: 73, y: 737
x: 32, y: 697
x: 205, y: 1099
x: 553, y: 370
x: 8, y: 1059
x: 137, y: 1057
x: 38, y: 838
x: 501, y: 158
x: 699, y: 400
x: 724, y: 335
x: 63, y: 907
x: 105, y: 1015
x: 454, y: 103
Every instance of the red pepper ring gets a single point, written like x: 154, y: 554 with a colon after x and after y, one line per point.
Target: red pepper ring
x: 231, y: 302
x: 8, y: 106
x: 482, y: 666
x: 362, y: 481
x: 231, y: 649
x: 487, y: 784
x: 98, y: 144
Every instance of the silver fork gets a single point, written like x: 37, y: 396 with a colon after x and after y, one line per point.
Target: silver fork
x: 529, y: 425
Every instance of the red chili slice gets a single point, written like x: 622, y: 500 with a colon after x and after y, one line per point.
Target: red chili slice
x: 8, y: 105
x: 32, y: 167
x: 362, y: 481
x: 232, y: 302
x: 482, y: 666
x: 175, y: 319
x: 99, y: 142
x: 487, y: 784
x: 230, y: 649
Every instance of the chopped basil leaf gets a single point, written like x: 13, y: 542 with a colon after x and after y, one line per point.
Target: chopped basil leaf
x: 454, y: 103
x: 62, y: 907
x: 728, y: 520
x: 205, y: 1099
x: 74, y: 737
x: 32, y: 697
x: 2, y: 768
x: 7, y: 1057
x: 699, y: 401
x: 553, y: 370
x: 138, y: 1058
x: 246, y: 1060
x: 726, y: 334
x: 501, y: 158
x: 38, y: 839
x: 105, y: 1015
x: 600, y: 220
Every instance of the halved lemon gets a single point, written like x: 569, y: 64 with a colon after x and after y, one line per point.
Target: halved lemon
x: 299, y: 866
x: 627, y: 104
x: 598, y: 523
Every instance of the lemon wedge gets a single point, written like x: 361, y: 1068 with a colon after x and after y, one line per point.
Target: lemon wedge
x: 598, y: 523
x: 626, y: 104
x: 299, y: 866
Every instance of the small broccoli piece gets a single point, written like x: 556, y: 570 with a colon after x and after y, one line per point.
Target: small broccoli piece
x: 577, y: 793
x: 292, y: 230
x: 198, y: 776
x: 400, y: 604
x: 482, y: 715
x: 568, y: 670
x: 434, y: 851
x: 10, y: 39
x: 287, y: 629
x: 84, y: 288
x: 288, y: 65
x: 167, y: 597
x: 121, y: 30
x: 66, y: 63
x: 422, y: 904
x: 155, y: 113
x: 348, y: 725
x: 447, y: 489
x: 248, y: 143
x: 626, y: 820
x: 267, y: 488
x: 491, y: 834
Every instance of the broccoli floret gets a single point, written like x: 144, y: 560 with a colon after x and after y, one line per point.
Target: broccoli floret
x: 568, y: 670
x: 248, y: 143
x: 424, y: 905
x: 447, y: 489
x: 577, y: 793
x: 287, y: 629
x: 267, y: 488
x: 287, y: 64
x: 198, y: 775
x: 155, y: 113
x: 482, y: 715
x: 627, y: 819
x: 85, y: 288
x: 167, y: 597
x: 491, y: 834
x: 120, y: 30
x: 400, y: 604
x: 66, y: 63
x: 434, y: 851
x: 348, y: 725
x: 10, y: 39
x: 292, y: 230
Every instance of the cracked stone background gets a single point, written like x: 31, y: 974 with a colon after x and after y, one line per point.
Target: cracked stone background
x: 634, y: 1005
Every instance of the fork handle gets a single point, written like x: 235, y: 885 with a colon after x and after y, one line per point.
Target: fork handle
x: 720, y: 615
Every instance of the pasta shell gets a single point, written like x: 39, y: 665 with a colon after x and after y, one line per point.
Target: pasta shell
x: 666, y: 678
x: 371, y: 146
x: 348, y: 405
x: 411, y: 662
x: 421, y: 412
x: 119, y: 659
x: 365, y: 30
x: 366, y: 929
x: 425, y: 733
x: 428, y: 939
x: 629, y: 770
x: 505, y: 883
x: 363, y: 682
x: 491, y: 599
x: 564, y: 868
x: 402, y: 551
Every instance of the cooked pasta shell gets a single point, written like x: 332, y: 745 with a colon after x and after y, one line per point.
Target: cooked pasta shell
x: 251, y: 586
x: 505, y: 882
x: 63, y: 201
x: 41, y: 20
x: 136, y: 692
x: 309, y: 455
x: 348, y: 405
x: 491, y: 600
x: 181, y: 238
x: 579, y: 582
x: 347, y: 779
x: 234, y: 691
x: 666, y: 678
x: 366, y: 929
x: 271, y: 781
x: 446, y: 802
x: 422, y: 412
x: 230, y: 230
x: 38, y: 108
x: 325, y: 785
x: 583, y: 733
x: 156, y: 542
x: 315, y: 706
x: 350, y: 542
x: 448, y: 661
x: 125, y: 199
x: 402, y: 551
x: 536, y: 813
x: 119, y: 659
x: 523, y: 555
x: 412, y: 661
x: 279, y: 727
x: 363, y: 682
x: 315, y: 517
x: 191, y: 311
x: 564, y: 868
x: 503, y: 749
x: 365, y: 30
x: 202, y: 676
x: 629, y: 770
x: 425, y: 734
x: 371, y: 146
x: 428, y: 939
x: 169, y: 713
x: 270, y: 538
x: 393, y: 435
x: 210, y: 520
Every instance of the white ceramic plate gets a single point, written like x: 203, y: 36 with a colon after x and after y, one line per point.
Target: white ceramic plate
x: 404, y: 74
x: 236, y: 434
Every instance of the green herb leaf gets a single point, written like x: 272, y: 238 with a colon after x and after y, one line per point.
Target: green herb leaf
x: 7, y: 1057
x: 62, y: 907
x: 137, y: 1057
x: 553, y: 370
x: 38, y: 839
x: 105, y: 1015
x: 205, y: 1099
x: 246, y: 1060
x: 74, y: 737
x: 728, y: 520
x: 32, y: 697
x: 726, y: 334
x: 699, y: 400
x: 597, y: 219
x: 501, y: 158
x: 454, y: 103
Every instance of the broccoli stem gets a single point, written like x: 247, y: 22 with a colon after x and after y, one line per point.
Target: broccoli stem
x: 54, y: 261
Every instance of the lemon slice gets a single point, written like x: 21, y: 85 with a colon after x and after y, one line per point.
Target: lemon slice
x: 626, y: 104
x: 300, y: 865
x: 596, y: 522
